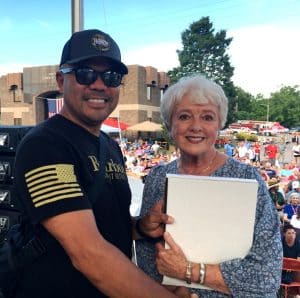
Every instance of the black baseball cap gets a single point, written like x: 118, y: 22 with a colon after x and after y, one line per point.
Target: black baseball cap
x: 92, y: 43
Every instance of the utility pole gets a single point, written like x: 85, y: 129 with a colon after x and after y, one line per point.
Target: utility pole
x: 268, y: 110
x: 77, y: 15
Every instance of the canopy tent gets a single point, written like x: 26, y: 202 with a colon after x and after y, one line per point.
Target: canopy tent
x: 109, y: 129
x: 146, y: 126
x: 111, y: 125
x: 114, y: 122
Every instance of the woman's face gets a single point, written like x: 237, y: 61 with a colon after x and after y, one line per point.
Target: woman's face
x: 194, y: 127
x: 294, y: 201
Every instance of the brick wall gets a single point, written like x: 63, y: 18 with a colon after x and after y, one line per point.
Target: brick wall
x: 36, y: 82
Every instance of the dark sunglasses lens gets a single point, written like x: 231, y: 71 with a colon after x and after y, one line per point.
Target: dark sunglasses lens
x: 111, y: 79
x: 85, y: 76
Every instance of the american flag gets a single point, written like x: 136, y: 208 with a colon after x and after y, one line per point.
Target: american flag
x: 52, y: 183
x: 54, y: 106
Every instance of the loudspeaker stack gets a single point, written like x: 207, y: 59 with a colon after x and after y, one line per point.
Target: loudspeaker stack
x: 10, y: 137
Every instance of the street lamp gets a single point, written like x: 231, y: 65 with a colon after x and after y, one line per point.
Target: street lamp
x: 268, y: 109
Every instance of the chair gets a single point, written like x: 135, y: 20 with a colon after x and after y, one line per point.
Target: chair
x: 290, y: 265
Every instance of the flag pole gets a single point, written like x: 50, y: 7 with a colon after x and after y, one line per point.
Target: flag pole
x: 119, y: 126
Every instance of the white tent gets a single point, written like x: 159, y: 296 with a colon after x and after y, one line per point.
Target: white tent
x: 109, y: 129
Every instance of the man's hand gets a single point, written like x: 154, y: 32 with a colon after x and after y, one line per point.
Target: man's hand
x: 153, y: 224
x: 182, y: 292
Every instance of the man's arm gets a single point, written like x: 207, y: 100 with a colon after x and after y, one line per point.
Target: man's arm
x: 101, y: 262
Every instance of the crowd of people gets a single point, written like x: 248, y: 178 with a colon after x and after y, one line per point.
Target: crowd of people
x: 282, y: 177
x: 277, y: 163
x: 141, y: 155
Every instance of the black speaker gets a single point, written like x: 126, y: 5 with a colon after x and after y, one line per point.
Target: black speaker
x: 6, y: 168
x: 7, y: 219
x: 10, y: 137
x: 7, y: 197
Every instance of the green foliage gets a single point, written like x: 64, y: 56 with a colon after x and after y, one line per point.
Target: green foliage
x: 283, y: 106
x: 205, y: 52
x: 166, y: 135
x: 246, y: 136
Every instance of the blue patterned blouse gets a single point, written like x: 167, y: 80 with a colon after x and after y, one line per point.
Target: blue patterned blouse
x: 257, y: 275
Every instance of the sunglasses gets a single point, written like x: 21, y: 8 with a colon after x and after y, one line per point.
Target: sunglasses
x: 88, y: 76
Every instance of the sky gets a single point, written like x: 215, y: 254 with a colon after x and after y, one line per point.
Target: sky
x: 264, y: 51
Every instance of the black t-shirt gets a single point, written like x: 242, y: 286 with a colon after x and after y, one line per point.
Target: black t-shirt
x: 56, y: 164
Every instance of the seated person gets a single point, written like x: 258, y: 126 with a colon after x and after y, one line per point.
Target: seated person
x: 291, y: 209
x: 276, y: 195
x: 291, y: 249
x: 270, y: 170
x: 290, y: 242
x: 293, y: 186
x: 285, y: 172
x: 295, y: 221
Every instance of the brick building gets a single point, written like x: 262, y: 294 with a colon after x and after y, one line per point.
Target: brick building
x: 23, y: 96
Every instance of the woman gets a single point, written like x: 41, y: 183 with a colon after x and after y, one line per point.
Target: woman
x: 295, y: 220
x: 194, y: 110
x: 291, y: 208
x: 296, y: 152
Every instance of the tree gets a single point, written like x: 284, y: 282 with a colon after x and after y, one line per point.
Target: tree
x: 285, y: 106
x: 245, y: 104
x: 206, y: 52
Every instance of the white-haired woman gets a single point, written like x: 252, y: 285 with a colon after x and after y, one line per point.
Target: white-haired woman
x: 194, y: 110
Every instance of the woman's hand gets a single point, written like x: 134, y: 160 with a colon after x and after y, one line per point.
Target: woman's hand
x: 153, y: 224
x: 171, y: 261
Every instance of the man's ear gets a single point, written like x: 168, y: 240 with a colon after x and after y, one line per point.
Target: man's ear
x: 60, y: 80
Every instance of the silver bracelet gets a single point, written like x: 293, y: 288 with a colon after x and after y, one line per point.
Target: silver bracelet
x: 202, y: 273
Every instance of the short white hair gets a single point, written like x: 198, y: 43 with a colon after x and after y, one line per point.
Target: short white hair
x: 200, y: 90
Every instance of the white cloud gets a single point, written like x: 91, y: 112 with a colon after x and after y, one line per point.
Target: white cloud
x: 162, y: 56
x: 265, y: 58
x: 6, y: 68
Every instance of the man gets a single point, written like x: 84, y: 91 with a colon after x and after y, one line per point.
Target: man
x: 295, y: 188
x: 155, y: 148
x: 272, y: 152
x: 269, y: 169
x: 276, y: 195
x: 242, y: 150
x: 291, y: 249
x: 84, y: 232
x: 229, y: 148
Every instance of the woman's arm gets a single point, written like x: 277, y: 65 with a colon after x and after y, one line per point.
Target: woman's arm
x: 258, y: 273
x: 173, y: 263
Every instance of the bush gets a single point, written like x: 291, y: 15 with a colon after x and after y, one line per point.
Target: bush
x: 246, y: 136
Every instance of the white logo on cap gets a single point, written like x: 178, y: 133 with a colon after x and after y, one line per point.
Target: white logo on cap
x: 100, y: 43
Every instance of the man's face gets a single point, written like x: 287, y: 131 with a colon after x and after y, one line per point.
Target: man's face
x: 290, y: 235
x: 88, y: 105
